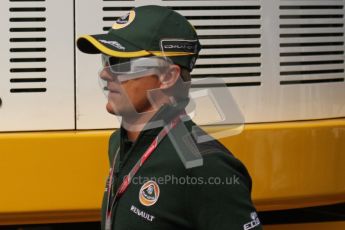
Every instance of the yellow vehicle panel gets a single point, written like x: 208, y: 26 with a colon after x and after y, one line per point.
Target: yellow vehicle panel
x: 60, y: 176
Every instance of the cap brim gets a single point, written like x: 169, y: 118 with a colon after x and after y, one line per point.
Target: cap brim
x: 103, y: 43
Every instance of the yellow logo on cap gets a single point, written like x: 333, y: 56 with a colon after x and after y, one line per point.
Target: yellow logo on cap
x: 149, y: 193
x: 124, y: 20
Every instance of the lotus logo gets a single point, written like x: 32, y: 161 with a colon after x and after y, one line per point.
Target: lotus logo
x: 124, y: 20
x: 149, y: 193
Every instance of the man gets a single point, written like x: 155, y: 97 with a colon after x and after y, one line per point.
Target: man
x: 157, y: 179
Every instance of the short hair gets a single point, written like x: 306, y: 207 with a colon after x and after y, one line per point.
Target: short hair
x: 181, y: 88
x: 185, y: 74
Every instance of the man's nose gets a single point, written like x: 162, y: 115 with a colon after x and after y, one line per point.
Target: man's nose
x: 105, y: 75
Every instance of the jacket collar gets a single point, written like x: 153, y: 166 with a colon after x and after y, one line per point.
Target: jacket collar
x: 163, y: 116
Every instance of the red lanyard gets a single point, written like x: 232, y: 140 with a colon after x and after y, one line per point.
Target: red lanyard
x: 127, y: 179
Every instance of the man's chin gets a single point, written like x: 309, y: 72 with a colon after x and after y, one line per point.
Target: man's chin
x: 115, y: 111
x: 127, y: 113
x: 111, y: 110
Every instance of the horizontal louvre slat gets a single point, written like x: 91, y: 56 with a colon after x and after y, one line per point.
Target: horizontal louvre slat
x: 309, y: 30
x: 310, y: 2
x: 28, y: 90
x: 314, y: 12
x: 311, y: 21
x: 29, y: 85
x: 229, y: 51
x: 313, y: 76
x: 227, y: 65
x: 310, y: 7
x: 227, y: 60
x: 232, y: 46
x: 225, y: 32
x: 27, y: 0
x: 309, y: 26
x: 311, y: 63
x: 310, y: 35
x: 225, y: 70
x: 27, y: 80
x: 28, y: 70
x: 311, y: 16
x: 37, y: 50
x: 231, y: 80
x: 27, y: 19
x: 26, y: 64
x: 197, y: 3
x: 240, y: 84
x: 312, y: 53
x: 187, y: 3
x: 27, y: 29
x: 29, y: 35
x: 324, y: 72
x: 216, y: 7
x: 28, y: 15
x: 312, y: 58
x: 218, y: 12
x: 27, y: 3
x: 27, y: 76
x: 311, y: 67
x: 28, y: 59
x: 225, y: 22
x: 22, y: 40
x: 311, y: 44
x: 313, y: 81
x: 312, y: 39
x: 26, y: 50
x: 229, y: 41
x: 27, y: 9
x: 309, y: 49
x: 28, y: 24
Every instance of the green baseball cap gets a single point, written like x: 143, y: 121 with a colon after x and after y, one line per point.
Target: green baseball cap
x: 146, y: 31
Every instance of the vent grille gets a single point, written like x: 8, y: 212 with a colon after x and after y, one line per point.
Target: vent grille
x: 27, y: 46
x: 229, y: 32
x: 311, y: 41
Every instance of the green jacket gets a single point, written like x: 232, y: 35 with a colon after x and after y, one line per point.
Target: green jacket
x: 166, y: 195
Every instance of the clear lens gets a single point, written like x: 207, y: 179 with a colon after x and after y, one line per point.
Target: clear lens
x: 127, y: 65
x: 127, y: 69
x: 116, y: 65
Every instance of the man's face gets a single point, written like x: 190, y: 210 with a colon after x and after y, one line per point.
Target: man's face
x: 127, y: 98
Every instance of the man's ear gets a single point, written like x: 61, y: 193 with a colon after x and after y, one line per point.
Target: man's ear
x: 170, y: 77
